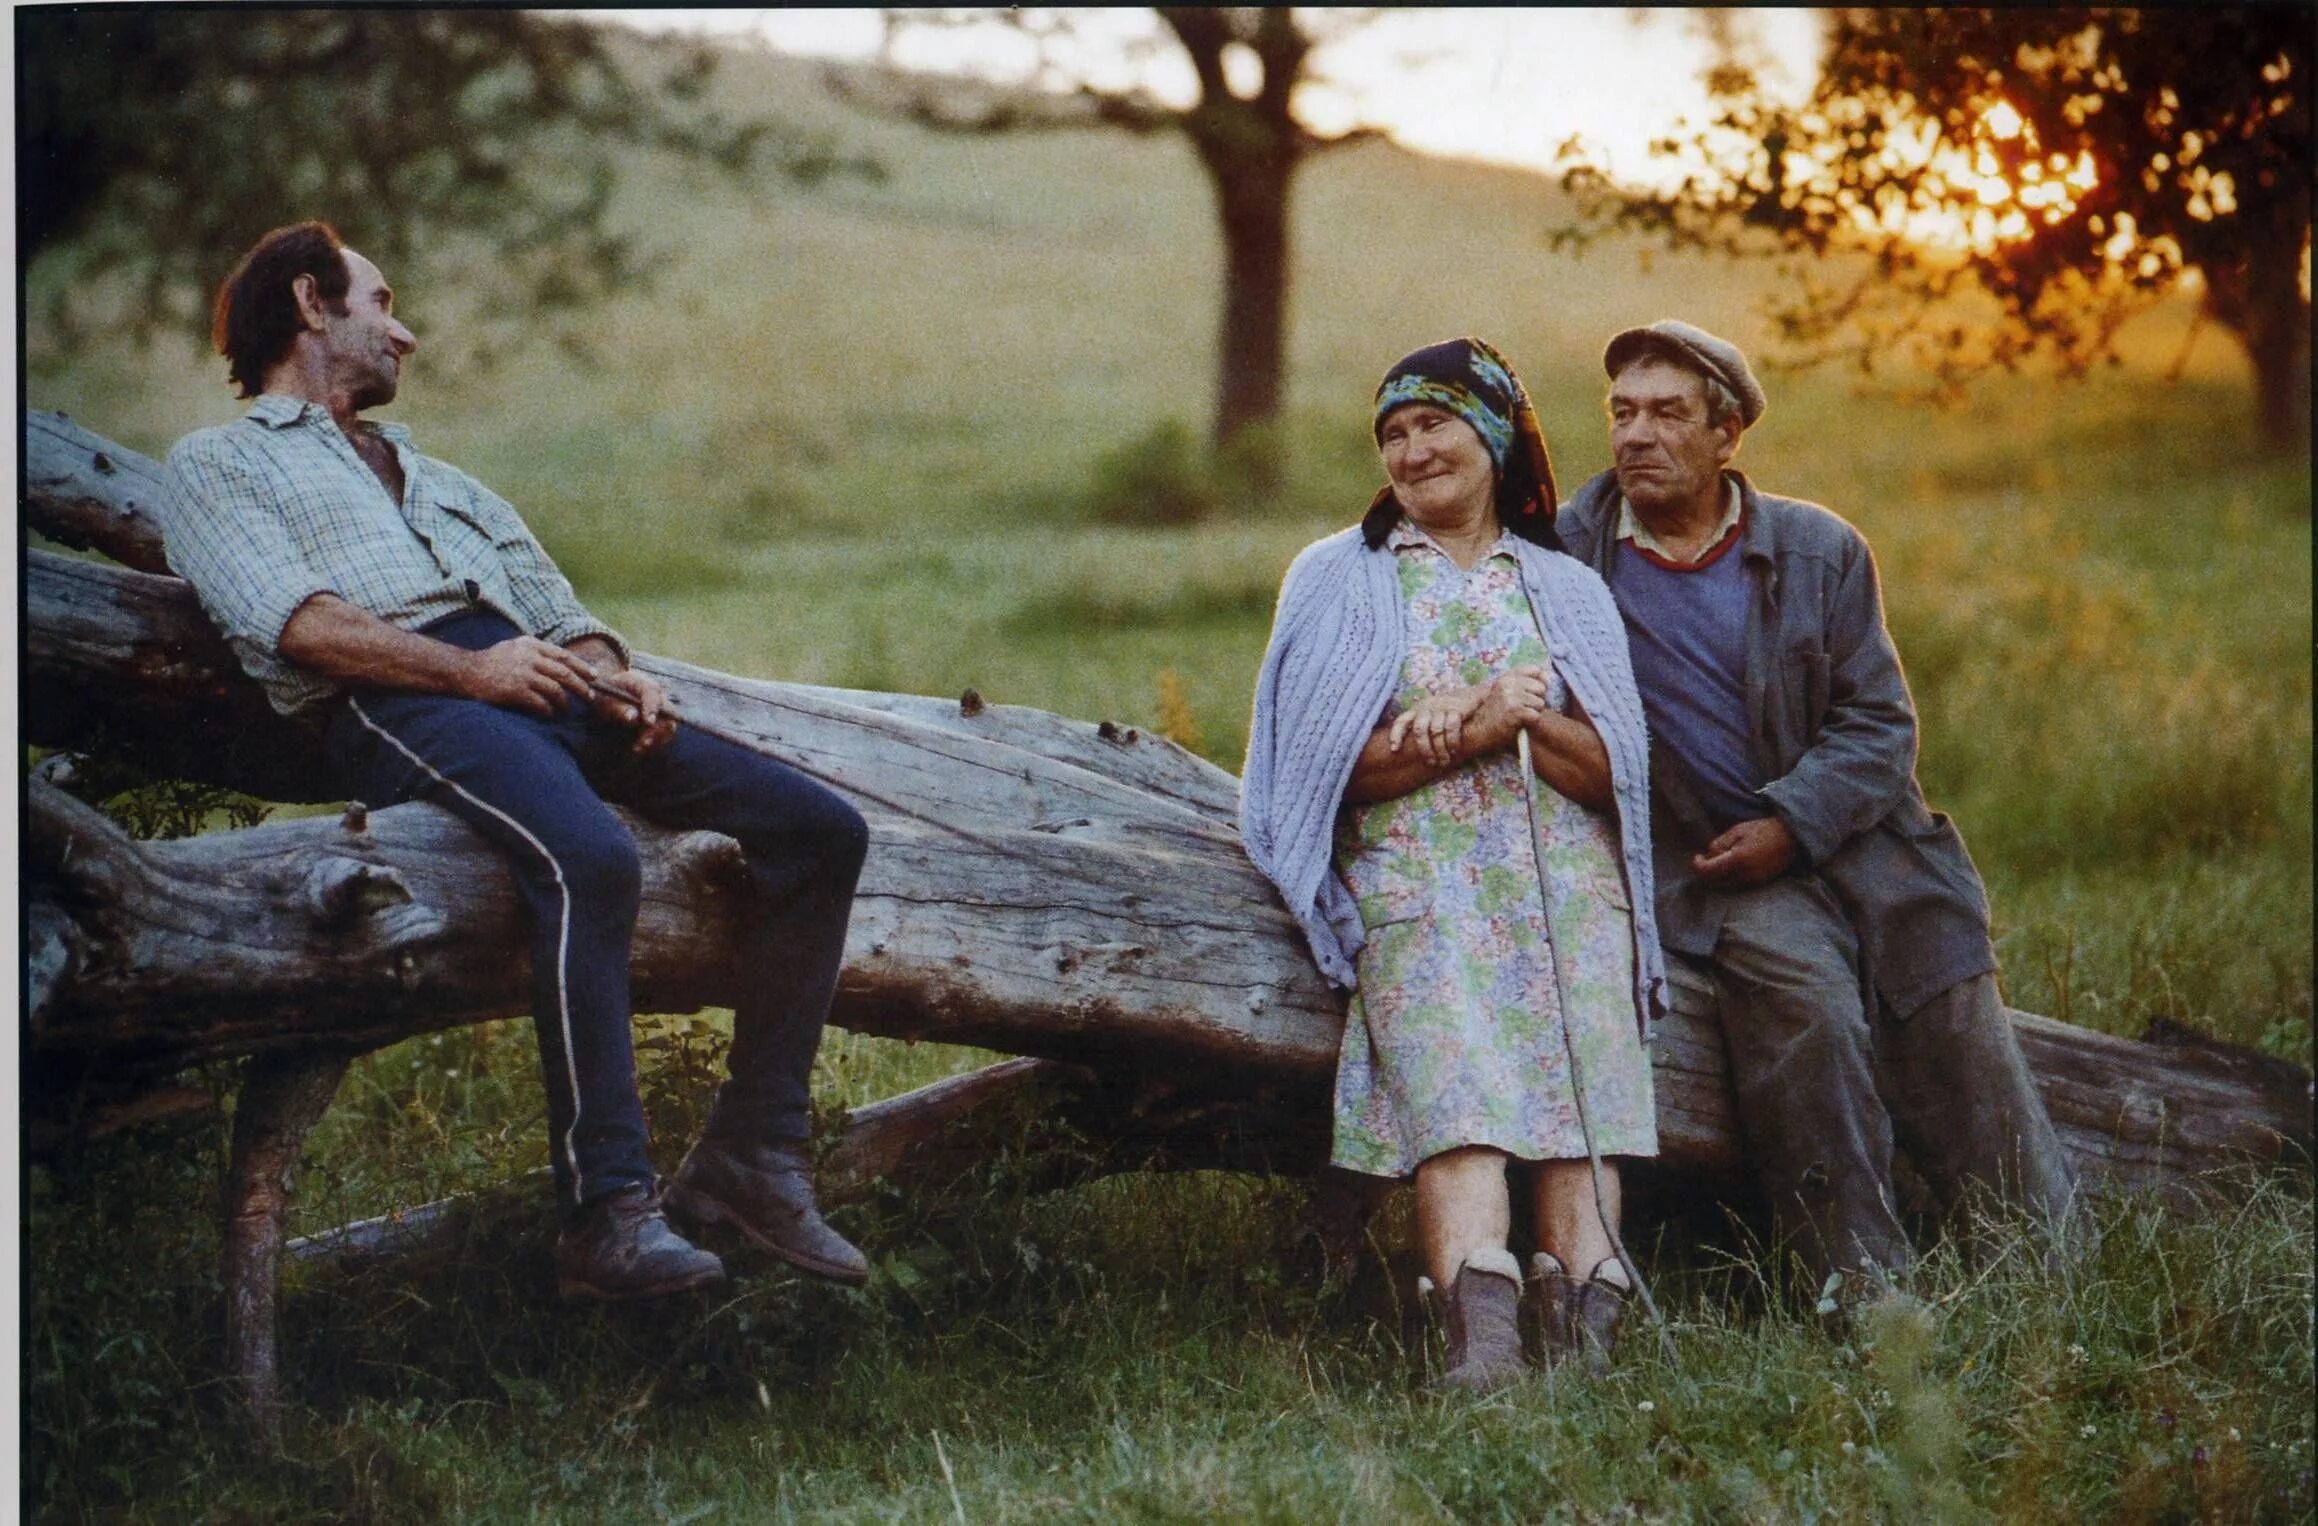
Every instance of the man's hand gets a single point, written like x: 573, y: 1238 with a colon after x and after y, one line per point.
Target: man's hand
x: 528, y: 674
x: 636, y: 699
x: 1748, y: 854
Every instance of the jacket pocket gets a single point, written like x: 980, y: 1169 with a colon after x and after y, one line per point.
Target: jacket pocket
x: 1810, y: 690
x: 1609, y: 883
x: 1387, y: 900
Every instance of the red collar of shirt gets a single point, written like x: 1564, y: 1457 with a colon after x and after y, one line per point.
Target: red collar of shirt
x: 1708, y: 558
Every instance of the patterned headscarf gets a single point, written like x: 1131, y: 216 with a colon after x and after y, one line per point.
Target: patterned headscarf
x: 1470, y: 379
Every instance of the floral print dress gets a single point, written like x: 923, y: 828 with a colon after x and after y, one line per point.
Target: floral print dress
x: 1455, y: 1035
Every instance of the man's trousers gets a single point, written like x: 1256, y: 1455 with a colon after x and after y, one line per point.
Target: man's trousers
x: 538, y: 788
x: 1823, y: 1086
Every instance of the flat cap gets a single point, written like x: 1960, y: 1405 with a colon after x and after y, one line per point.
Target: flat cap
x: 1682, y: 342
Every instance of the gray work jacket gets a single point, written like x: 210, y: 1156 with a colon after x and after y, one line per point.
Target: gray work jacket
x: 1832, y: 728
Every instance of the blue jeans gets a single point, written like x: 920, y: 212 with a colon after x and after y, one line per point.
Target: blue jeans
x: 537, y: 788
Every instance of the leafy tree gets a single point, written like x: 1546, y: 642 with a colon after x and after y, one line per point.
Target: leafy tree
x: 1248, y: 62
x: 153, y: 145
x: 2072, y: 165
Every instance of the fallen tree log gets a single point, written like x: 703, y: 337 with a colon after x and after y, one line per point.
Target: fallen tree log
x: 82, y: 490
x: 145, y: 958
x: 1047, y: 1124
x: 1037, y: 885
x: 1033, y: 886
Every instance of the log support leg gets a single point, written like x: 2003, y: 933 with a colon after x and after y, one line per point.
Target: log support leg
x: 282, y: 1098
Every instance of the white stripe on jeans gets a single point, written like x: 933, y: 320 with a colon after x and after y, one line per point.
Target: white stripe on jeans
x: 562, y: 942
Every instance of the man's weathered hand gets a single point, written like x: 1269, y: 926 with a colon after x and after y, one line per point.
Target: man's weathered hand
x: 529, y: 674
x: 636, y: 699
x: 1748, y: 854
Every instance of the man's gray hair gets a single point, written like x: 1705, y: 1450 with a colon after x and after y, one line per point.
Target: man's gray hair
x: 1721, y: 403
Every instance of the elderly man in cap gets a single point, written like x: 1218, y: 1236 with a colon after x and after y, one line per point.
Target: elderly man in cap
x: 1837, y: 922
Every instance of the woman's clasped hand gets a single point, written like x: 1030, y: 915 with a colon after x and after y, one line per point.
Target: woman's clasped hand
x: 1448, y: 728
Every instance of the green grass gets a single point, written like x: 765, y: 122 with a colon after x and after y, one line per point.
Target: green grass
x: 1148, y: 1349
x: 854, y: 436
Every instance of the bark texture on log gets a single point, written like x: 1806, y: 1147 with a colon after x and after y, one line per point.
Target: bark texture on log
x: 1053, y: 1125
x: 282, y: 1098
x: 1138, y: 960
x: 1152, y: 963
x: 2160, y: 1115
x: 1034, y: 884
x: 83, y: 491
x: 126, y: 663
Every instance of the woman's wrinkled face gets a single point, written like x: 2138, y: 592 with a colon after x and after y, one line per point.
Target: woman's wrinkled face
x: 1440, y: 469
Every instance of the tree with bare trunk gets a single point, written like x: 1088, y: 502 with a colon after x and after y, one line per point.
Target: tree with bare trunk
x: 1248, y: 62
x: 2072, y: 165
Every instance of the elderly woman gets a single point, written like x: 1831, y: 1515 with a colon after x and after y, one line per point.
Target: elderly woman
x: 1504, y: 967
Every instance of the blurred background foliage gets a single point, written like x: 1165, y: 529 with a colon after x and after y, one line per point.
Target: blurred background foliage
x: 2063, y: 165
x: 928, y: 430
x: 154, y: 143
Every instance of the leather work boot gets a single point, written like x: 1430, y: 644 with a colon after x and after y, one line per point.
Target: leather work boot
x: 1549, y: 1292
x: 1596, y: 1308
x: 1482, y: 1314
x: 619, y: 1247
x: 765, y: 1192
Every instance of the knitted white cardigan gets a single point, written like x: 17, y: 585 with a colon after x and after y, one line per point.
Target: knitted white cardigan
x: 1332, y: 666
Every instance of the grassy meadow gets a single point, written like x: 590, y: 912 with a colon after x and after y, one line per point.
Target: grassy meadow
x: 865, y: 434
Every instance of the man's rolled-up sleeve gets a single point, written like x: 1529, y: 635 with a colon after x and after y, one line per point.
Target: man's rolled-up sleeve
x: 1858, y: 766
x: 225, y: 535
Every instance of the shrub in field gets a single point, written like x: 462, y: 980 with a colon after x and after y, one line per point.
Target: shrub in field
x: 1164, y: 477
x: 140, y: 804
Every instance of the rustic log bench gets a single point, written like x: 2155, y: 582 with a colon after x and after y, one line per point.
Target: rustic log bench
x: 1070, y: 892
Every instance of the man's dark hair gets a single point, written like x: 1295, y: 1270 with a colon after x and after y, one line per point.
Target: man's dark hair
x: 257, y: 312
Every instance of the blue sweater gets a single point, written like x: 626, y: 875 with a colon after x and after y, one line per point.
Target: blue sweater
x: 1688, y: 631
x: 1338, y: 638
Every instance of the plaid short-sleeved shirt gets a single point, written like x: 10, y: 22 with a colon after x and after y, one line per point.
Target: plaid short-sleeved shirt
x: 277, y: 506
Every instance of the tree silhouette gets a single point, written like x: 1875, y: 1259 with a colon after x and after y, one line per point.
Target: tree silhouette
x: 2073, y: 165
x: 1248, y: 62
x: 154, y: 145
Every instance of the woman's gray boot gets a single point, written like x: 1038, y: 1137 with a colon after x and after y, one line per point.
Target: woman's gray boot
x: 1550, y: 1285
x: 1597, y: 1307
x: 1483, y: 1320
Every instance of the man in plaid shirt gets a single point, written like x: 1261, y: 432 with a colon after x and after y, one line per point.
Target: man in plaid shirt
x: 406, y: 612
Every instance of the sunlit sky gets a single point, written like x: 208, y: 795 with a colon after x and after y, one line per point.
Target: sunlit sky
x: 1510, y: 86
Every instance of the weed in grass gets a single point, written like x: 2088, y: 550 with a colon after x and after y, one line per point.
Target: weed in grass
x: 1177, y: 720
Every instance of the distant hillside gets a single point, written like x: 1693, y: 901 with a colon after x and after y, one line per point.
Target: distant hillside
x: 978, y: 325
